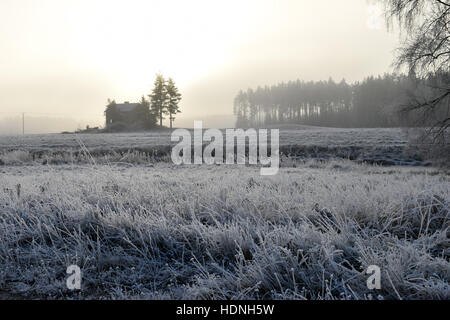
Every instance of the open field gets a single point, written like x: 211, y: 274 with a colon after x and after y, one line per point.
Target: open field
x: 379, y: 146
x: 200, y: 232
x: 142, y: 228
x: 289, y: 135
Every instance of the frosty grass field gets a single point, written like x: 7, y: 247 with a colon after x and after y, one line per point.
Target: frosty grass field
x: 141, y: 228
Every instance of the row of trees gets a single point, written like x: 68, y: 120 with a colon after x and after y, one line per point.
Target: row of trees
x: 164, y: 100
x: 324, y: 103
x: 420, y: 99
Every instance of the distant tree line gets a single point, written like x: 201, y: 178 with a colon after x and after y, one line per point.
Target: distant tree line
x: 370, y: 103
x: 147, y: 114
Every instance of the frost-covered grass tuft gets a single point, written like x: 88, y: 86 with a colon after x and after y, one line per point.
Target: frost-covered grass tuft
x: 225, y: 232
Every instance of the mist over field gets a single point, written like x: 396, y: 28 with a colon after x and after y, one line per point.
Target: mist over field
x: 241, y: 150
x: 69, y: 57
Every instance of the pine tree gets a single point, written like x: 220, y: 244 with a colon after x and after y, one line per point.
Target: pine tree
x: 159, y: 98
x: 173, y: 98
x: 145, y: 118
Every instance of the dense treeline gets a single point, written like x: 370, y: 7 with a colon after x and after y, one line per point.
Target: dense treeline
x: 369, y: 103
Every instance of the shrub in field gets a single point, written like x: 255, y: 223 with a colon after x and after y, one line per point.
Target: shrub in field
x: 15, y: 157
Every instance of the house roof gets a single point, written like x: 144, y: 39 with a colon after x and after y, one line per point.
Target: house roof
x: 126, y: 107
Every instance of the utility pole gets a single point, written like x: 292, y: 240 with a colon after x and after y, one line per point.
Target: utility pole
x: 23, y: 123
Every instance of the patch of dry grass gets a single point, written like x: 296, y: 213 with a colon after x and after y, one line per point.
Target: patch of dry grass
x: 225, y: 232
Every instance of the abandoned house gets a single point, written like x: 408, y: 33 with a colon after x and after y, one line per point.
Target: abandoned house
x: 125, y: 113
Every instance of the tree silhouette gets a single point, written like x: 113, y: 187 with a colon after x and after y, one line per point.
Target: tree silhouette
x: 426, y: 55
x: 173, y: 99
x: 158, y: 98
x: 143, y: 116
x: 111, y: 113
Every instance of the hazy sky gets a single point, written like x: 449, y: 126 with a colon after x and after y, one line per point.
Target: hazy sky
x: 64, y: 58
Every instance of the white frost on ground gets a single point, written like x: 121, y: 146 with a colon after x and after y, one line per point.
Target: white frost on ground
x: 380, y: 146
x: 199, y: 232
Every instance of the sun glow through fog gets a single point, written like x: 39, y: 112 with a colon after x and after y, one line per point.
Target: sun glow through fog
x: 179, y: 38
